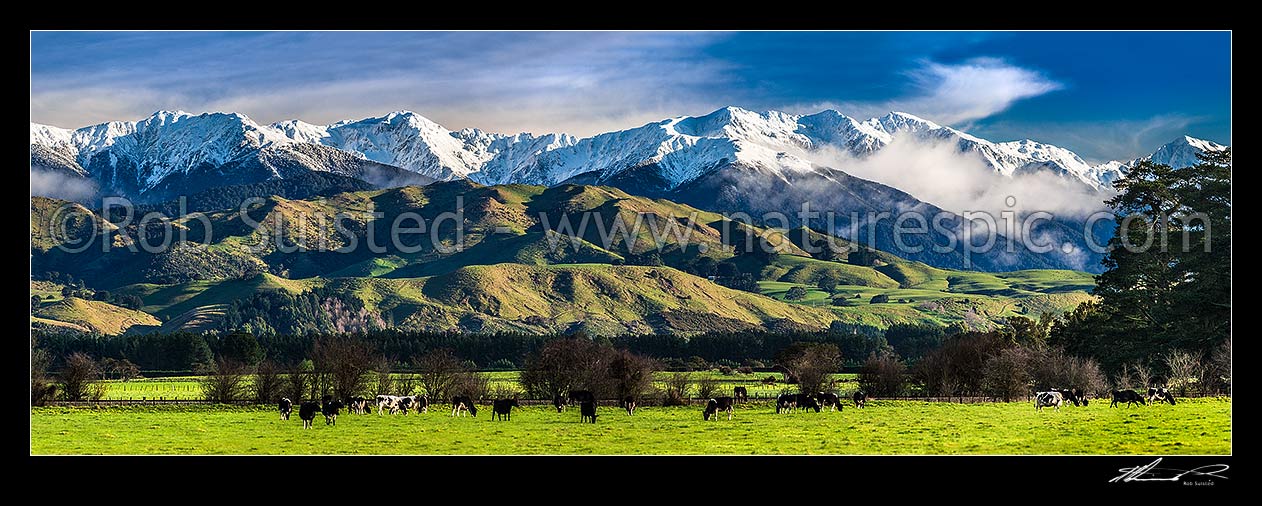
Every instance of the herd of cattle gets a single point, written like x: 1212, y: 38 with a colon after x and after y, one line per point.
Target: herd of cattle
x: 586, y: 400
x: 1055, y: 398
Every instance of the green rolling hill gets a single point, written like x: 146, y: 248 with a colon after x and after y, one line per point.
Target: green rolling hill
x: 518, y: 269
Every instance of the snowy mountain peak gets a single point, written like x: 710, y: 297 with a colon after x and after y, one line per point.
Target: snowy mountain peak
x: 1182, y: 152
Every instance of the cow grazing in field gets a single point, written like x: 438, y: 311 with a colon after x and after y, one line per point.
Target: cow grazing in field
x: 461, y: 404
x: 558, y: 402
x: 388, y: 403
x: 502, y: 409
x: 357, y: 405
x: 1160, y: 395
x: 830, y: 401
x: 628, y: 403
x: 1128, y: 396
x: 715, y: 405
x: 286, y: 407
x: 330, y: 409
x: 421, y: 403
x: 1052, y: 398
x: 807, y: 401
x: 860, y: 398
x: 587, y: 411
x: 1074, y: 395
x: 786, y: 403
x: 307, y: 412
x: 740, y: 394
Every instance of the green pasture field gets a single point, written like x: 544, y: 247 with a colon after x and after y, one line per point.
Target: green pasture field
x: 187, y: 387
x: 1194, y: 426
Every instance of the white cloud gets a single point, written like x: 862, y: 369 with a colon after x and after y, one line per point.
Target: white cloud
x: 953, y: 94
x: 938, y: 173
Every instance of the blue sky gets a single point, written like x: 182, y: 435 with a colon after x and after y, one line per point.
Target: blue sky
x: 1105, y: 95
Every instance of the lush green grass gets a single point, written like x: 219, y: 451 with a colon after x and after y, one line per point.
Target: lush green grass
x: 1194, y: 426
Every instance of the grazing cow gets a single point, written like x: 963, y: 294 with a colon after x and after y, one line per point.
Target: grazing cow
x: 502, y: 409
x: 628, y: 403
x: 1052, y: 398
x: 786, y: 403
x: 388, y: 403
x: 715, y: 405
x: 740, y: 394
x: 357, y: 405
x: 421, y: 402
x: 807, y: 401
x: 860, y: 398
x: 580, y: 396
x: 1128, y: 396
x: 558, y: 402
x: 1160, y: 395
x: 330, y: 410
x: 587, y: 410
x: 286, y: 406
x: 307, y: 412
x: 461, y: 404
x: 1074, y: 395
x: 830, y: 401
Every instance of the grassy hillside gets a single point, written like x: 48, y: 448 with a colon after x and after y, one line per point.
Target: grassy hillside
x: 97, y: 316
x: 520, y: 268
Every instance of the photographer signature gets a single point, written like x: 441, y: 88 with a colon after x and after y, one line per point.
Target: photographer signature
x: 1151, y: 472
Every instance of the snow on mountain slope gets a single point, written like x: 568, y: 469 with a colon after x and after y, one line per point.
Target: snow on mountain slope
x: 1182, y: 152
x: 676, y: 150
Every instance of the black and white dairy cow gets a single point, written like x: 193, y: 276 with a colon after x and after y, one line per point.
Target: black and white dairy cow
x: 786, y: 403
x: 286, y: 406
x: 740, y: 394
x: 628, y: 403
x: 307, y: 412
x: 502, y: 409
x: 1127, y: 396
x: 462, y: 404
x: 807, y: 401
x: 715, y: 405
x: 1160, y: 395
x: 830, y: 401
x: 1074, y: 395
x: 1044, y: 399
x: 558, y: 402
x: 330, y: 408
x: 860, y: 398
x: 587, y: 411
x: 357, y: 405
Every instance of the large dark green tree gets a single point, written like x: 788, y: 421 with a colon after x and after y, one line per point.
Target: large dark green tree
x: 1167, y: 283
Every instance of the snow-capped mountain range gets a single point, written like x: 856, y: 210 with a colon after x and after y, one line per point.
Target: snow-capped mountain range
x: 681, y: 149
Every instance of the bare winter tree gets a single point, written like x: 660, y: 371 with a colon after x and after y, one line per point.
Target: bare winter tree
x: 43, y: 389
x: 440, y: 372
x: 1006, y: 375
x: 813, y: 364
x: 385, y: 382
x: 268, y: 383
x: 568, y: 364
x: 676, y: 392
x: 883, y: 375
x: 707, y: 387
x: 1185, y: 369
x: 406, y: 384
x: 223, y: 381
x: 77, y: 377
x: 1140, y: 375
x: 297, y: 383
x: 347, y: 363
x: 631, y: 375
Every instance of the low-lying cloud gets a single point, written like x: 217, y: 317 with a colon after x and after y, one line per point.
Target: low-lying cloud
x: 49, y: 183
x: 938, y: 173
